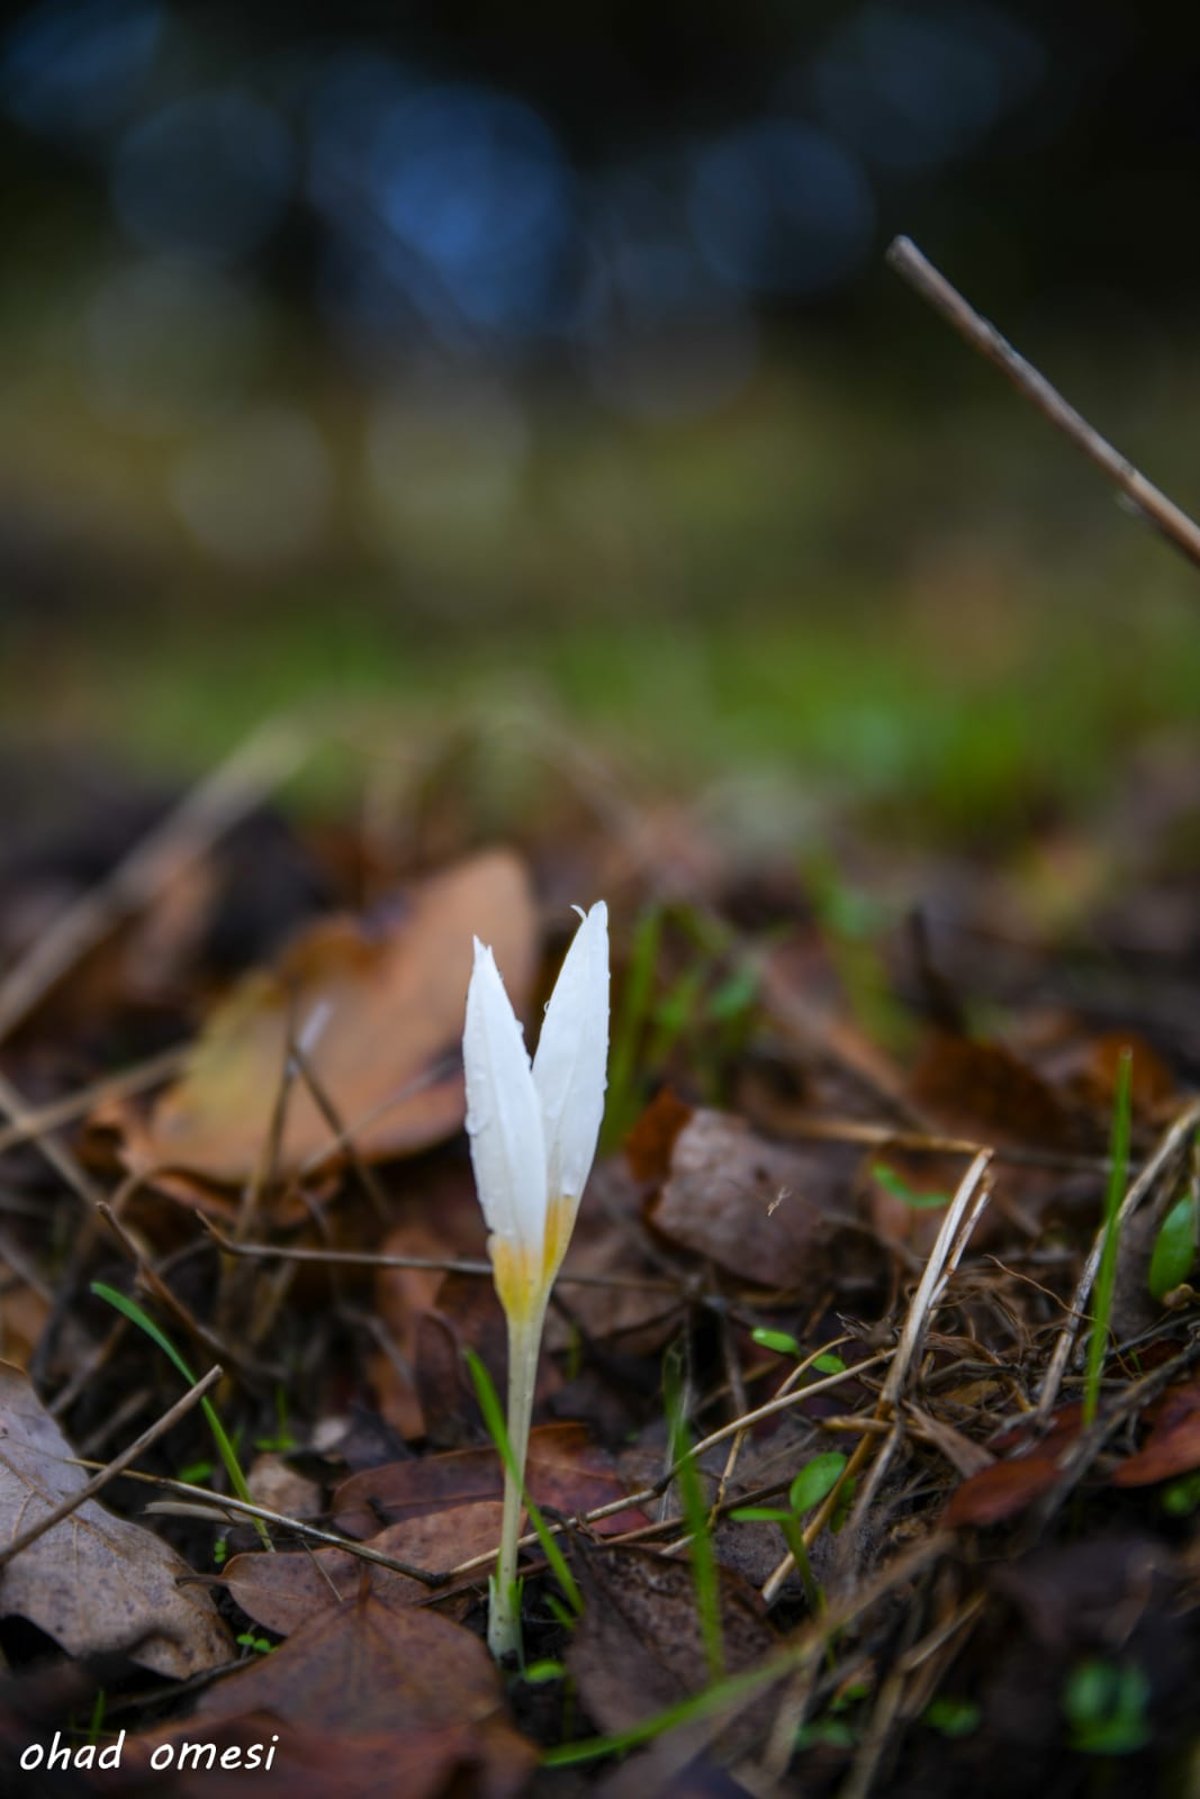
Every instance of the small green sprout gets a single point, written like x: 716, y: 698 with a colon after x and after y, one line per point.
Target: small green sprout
x: 1181, y: 1497
x: 783, y: 1344
x: 890, y: 1181
x: 952, y: 1718
x: 830, y: 1733
x: 539, y: 1674
x: 1105, y: 1703
x: 814, y: 1483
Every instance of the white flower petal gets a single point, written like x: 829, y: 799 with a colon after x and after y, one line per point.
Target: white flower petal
x: 572, y: 1055
x: 504, y: 1116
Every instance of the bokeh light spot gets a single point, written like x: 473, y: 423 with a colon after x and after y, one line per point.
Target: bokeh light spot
x: 779, y: 207
x: 210, y: 174
x: 74, y: 67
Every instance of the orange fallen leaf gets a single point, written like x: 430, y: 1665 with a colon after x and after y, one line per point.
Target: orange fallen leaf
x: 392, y: 995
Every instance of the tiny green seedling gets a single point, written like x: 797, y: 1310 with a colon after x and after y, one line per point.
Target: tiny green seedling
x: 890, y: 1181
x: 1105, y: 1703
x: 783, y: 1344
x: 283, y: 1439
x: 250, y: 1639
x: 952, y: 1718
x: 1180, y: 1498
x: 540, y: 1674
x: 815, y: 1481
x: 828, y: 1733
x: 196, y: 1474
x: 96, y: 1721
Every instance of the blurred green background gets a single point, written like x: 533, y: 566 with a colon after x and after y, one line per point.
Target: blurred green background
x: 422, y: 357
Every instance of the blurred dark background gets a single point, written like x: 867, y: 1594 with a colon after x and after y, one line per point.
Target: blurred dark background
x: 380, y: 346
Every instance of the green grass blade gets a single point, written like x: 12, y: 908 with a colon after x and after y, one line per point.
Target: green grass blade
x: 493, y: 1417
x: 702, y: 1705
x: 1107, y: 1274
x: 129, y: 1308
x: 621, y: 1107
x: 695, y: 1510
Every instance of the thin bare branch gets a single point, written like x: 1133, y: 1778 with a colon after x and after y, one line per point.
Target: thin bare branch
x: 1167, y: 518
x: 35, y: 1121
x: 356, y: 1258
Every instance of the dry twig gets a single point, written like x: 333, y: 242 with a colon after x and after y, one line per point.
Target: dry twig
x: 1167, y: 518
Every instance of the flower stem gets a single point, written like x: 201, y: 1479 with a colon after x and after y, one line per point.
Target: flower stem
x: 504, y: 1616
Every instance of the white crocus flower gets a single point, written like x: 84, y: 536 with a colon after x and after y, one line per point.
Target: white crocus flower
x: 533, y: 1132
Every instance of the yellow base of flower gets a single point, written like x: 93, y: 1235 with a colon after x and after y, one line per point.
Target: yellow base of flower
x: 523, y: 1275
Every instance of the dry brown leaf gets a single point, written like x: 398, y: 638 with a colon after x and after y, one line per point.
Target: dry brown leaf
x: 366, y: 1666
x: 1031, y: 1466
x: 94, y: 1582
x: 565, y: 1470
x: 639, y: 1646
x: 402, y: 1295
x: 1001, y: 1491
x: 983, y: 1090
x: 760, y: 1210
x: 283, y: 1590
x: 392, y: 994
x: 649, y: 1144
